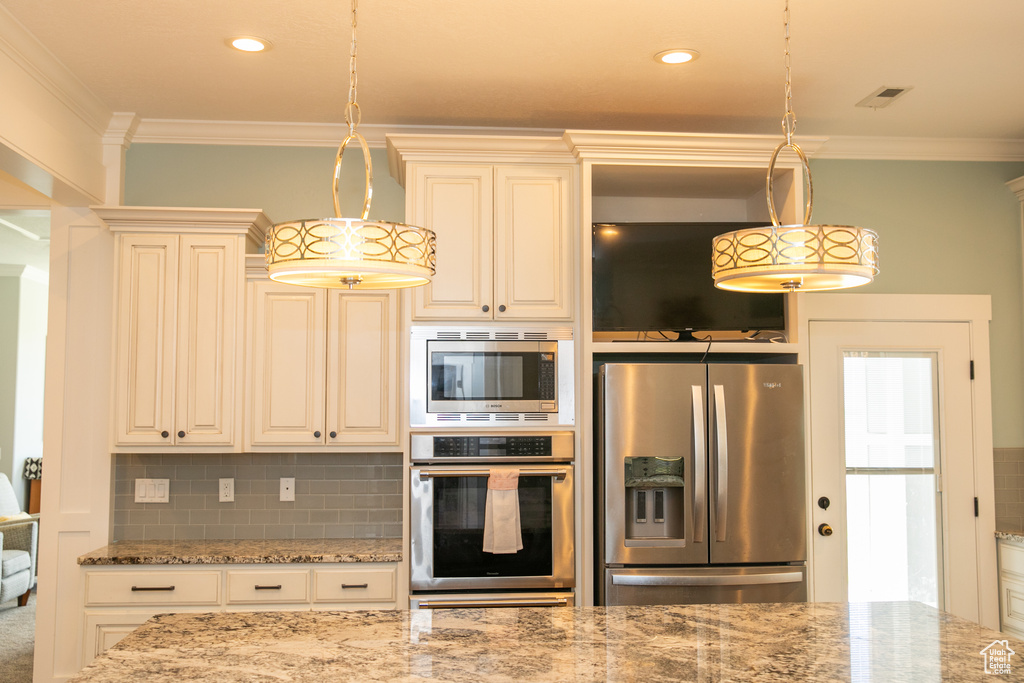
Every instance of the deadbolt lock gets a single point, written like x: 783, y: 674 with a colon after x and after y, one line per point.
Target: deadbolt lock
x: 824, y: 530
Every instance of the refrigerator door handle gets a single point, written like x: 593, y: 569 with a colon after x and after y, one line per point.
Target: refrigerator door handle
x: 699, y: 460
x: 706, y: 580
x: 721, y: 465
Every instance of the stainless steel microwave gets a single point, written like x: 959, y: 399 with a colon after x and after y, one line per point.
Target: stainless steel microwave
x: 486, y: 375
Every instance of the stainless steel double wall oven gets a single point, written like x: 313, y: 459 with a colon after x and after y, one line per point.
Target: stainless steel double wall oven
x: 448, y: 498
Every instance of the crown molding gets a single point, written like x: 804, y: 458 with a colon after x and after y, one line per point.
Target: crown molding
x: 250, y: 222
x: 279, y: 134
x: 25, y: 50
x: 586, y: 144
x: 921, y: 149
x: 1017, y: 187
x: 598, y: 145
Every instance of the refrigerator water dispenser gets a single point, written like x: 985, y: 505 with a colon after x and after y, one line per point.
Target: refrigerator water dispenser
x: 654, y: 497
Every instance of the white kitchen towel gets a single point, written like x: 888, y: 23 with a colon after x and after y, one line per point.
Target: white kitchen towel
x: 503, y: 534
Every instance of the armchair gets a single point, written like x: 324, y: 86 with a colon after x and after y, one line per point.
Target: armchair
x: 19, y: 538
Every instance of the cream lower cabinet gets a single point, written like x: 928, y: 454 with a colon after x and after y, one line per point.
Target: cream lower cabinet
x: 180, y: 326
x: 504, y: 240
x: 118, y: 600
x: 323, y: 367
x: 1011, y: 587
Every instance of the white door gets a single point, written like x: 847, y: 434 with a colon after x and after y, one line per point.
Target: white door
x: 892, y: 443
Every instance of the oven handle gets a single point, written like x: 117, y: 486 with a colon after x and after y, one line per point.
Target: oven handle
x: 496, y: 602
x: 425, y: 474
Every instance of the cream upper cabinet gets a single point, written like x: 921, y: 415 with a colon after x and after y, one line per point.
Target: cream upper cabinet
x: 179, y: 326
x: 504, y: 240
x: 323, y: 367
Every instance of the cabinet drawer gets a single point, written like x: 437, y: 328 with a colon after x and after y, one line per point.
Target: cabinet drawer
x: 268, y: 586
x: 362, y: 585
x: 152, y: 588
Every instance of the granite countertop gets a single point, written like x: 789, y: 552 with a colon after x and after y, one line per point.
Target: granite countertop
x: 1015, y: 536
x: 753, y: 642
x: 247, y: 552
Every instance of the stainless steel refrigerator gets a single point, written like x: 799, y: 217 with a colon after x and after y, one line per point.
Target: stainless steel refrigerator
x: 701, y: 483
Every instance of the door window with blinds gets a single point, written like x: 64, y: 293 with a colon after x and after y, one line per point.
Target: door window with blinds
x: 893, y: 482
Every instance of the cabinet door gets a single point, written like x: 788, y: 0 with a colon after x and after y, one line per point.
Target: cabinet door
x: 208, y: 284
x: 456, y: 202
x: 362, y: 368
x: 287, y: 332
x: 147, y: 296
x: 533, y: 258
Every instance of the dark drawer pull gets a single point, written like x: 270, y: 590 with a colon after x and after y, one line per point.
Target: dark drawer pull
x: 354, y: 585
x: 268, y: 588
x: 152, y: 588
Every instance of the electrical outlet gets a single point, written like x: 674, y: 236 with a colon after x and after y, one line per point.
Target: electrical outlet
x: 287, y: 488
x: 226, y: 491
x: 152, y: 490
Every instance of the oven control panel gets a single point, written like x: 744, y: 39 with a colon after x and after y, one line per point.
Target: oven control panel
x: 553, y: 447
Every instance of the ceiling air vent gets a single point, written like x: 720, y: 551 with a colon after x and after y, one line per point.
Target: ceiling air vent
x: 883, y: 97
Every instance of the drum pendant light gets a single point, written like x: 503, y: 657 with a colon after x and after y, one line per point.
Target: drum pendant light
x: 353, y: 253
x: 786, y: 258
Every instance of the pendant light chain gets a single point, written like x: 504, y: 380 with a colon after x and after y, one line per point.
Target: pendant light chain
x: 789, y: 119
x: 353, y: 115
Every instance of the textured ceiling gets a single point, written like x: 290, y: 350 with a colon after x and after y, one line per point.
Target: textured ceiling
x: 554, y: 64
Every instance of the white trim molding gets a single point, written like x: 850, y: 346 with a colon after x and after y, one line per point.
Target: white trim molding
x: 920, y: 149
x: 585, y: 143
x: 283, y: 134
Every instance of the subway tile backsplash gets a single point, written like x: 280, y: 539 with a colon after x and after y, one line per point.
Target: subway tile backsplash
x: 1009, y: 492
x: 337, y: 495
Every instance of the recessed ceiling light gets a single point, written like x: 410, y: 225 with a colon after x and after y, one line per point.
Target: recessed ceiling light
x: 249, y: 44
x: 677, y: 56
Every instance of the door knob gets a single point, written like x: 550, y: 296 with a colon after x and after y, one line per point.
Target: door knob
x: 165, y: 433
x: 181, y: 434
x: 501, y: 308
x: 334, y: 435
x: 824, y: 530
x: 486, y: 308
x: 824, y: 502
x: 316, y: 434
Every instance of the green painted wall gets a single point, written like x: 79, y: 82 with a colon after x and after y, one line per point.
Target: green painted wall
x: 944, y: 227
x: 288, y: 183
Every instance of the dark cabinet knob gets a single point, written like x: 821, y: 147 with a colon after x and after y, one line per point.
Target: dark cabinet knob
x: 317, y: 433
x: 824, y: 530
x: 501, y: 308
x: 165, y: 433
x: 181, y: 434
x: 334, y: 434
x: 486, y: 308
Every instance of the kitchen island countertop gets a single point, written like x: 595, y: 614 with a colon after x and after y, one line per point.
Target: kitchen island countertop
x: 262, y: 551
x: 752, y: 642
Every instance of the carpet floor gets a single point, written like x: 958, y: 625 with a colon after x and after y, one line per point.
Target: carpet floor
x: 17, y: 640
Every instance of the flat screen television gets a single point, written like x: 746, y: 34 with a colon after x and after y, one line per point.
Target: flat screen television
x: 657, y: 277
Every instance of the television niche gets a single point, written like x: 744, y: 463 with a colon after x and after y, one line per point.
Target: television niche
x: 656, y: 277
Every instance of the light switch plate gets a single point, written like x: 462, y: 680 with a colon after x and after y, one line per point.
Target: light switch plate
x: 288, y: 488
x: 152, y: 490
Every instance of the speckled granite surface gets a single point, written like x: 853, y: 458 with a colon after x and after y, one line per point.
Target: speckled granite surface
x: 782, y: 642
x: 247, y: 552
x: 1015, y: 536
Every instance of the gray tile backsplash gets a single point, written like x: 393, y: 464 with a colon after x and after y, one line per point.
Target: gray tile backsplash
x: 337, y: 495
x: 1009, y: 493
